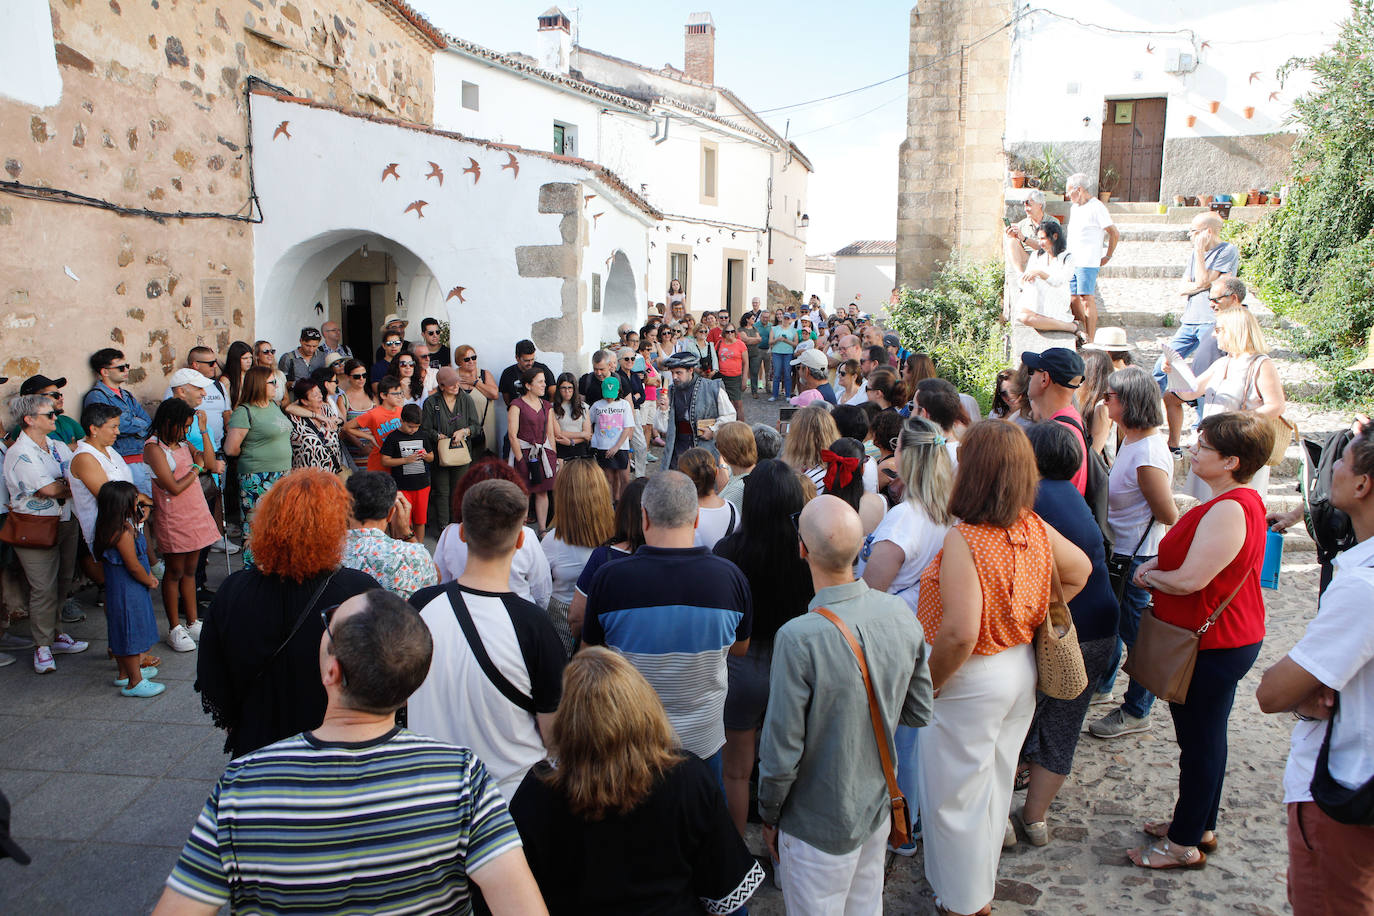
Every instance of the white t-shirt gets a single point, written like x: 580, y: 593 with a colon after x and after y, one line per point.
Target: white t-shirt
x: 529, y: 568
x: 920, y: 539
x: 1127, y: 510
x: 858, y: 398
x: 609, y: 420
x: 714, y: 524
x: 1338, y: 650
x: 1087, y: 226
x: 566, y: 563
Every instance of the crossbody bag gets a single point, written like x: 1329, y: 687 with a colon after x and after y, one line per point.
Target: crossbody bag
x: 479, y: 652
x: 1164, y: 655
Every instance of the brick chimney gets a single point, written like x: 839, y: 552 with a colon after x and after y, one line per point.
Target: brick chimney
x: 555, y: 40
x: 700, y: 61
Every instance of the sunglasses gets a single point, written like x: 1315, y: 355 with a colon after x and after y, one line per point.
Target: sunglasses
x: 565, y: 387
x: 391, y: 343
x: 357, y: 375
x: 266, y: 350
x: 470, y: 358
x: 406, y: 365
x: 423, y: 356
x: 1219, y: 298
x: 327, y: 615
x: 122, y: 367
x: 55, y: 395
x: 204, y: 362
x: 49, y: 414
x: 627, y: 359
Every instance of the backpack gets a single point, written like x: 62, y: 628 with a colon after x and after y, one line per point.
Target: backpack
x: 1330, y: 527
x: 1095, y: 493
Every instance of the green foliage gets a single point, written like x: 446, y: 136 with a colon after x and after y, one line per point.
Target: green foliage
x: 1048, y: 170
x: 955, y: 321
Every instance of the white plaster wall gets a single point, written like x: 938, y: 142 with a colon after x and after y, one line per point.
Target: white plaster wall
x: 822, y: 285
x: 28, y: 59
x: 615, y: 231
x: 790, y: 180
x: 1049, y: 55
x: 866, y: 280
x: 322, y: 194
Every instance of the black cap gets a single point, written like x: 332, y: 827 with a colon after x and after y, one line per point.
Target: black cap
x: 682, y: 360
x: 1064, y: 366
x: 891, y: 340
x: 310, y: 334
x: 8, y: 847
x: 36, y: 383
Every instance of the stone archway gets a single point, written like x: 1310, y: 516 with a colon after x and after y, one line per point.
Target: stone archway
x: 619, y: 303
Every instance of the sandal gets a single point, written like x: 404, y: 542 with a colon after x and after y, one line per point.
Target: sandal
x: 1022, y: 777
x: 1160, y: 831
x: 1165, y: 857
x: 149, y: 661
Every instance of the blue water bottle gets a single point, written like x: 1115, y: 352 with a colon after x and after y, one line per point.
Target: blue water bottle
x: 1273, y: 559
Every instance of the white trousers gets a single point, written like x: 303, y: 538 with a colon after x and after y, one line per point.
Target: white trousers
x: 966, y: 766
x: 816, y: 883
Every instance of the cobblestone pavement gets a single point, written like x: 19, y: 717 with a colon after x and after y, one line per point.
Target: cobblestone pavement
x: 105, y: 790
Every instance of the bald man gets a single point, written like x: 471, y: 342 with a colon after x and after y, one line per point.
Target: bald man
x: 822, y: 794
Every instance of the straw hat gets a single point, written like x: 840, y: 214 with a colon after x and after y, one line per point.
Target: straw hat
x: 1113, y: 339
x: 1366, y: 364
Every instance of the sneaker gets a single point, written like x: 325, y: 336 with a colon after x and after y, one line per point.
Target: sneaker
x: 144, y: 688
x: 159, y: 569
x: 909, y: 849
x: 224, y: 545
x: 653, y: 457
x: 65, y: 645
x: 1100, y: 698
x: 6, y: 659
x: 1118, y: 722
x: 1038, y: 832
x: 145, y: 672
x: 771, y: 399
x: 180, y: 640
x: 42, y: 660
x: 194, y: 630
x: 10, y: 641
x: 233, y: 531
x: 71, y: 611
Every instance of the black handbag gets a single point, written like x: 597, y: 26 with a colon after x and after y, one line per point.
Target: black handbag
x: 1119, y: 566
x: 1345, y: 806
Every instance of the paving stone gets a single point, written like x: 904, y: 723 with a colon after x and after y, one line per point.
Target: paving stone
x: 162, y: 815
x: 74, y: 806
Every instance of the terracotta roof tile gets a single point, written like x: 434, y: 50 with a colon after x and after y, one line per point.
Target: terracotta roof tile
x: 402, y: 11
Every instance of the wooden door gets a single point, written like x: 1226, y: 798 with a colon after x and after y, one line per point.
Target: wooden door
x: 1133, y: 145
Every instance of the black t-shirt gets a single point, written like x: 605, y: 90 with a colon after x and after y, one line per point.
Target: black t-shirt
x: 439, y: 357
x: 511, y: 387
x: 676, y: 849
x: 398, y: 444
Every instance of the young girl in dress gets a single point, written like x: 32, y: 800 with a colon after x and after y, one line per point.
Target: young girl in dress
x: 131, y: 626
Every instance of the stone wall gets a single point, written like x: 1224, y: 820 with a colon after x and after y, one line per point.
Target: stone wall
x: 1225, y: 165
x: 152, y: 117
x: 951, y: 165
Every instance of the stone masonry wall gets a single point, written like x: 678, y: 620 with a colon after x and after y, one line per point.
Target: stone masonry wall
x: 951, y: 165
x: 153, y: 116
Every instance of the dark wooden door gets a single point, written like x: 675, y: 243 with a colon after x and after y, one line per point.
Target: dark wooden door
x: 1133, y: 145
x: 356, y: 305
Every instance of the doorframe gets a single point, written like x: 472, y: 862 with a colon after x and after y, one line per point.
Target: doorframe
x: 726, y: 256
x: 1108, y: 114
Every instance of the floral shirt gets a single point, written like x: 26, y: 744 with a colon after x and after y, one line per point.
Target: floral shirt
x: 400, y: 566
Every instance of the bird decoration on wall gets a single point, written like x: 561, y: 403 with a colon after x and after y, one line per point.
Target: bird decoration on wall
x: 586, y: 199
x: 475, y: 169
x: 418, y: 206
x: 319, y: 308
x: 1149, y: 48
x: 653, y: 244
x: 695, y: 258
x: 281, y: 130
x: 597, y: 216
x: 456, y: 292
x: 1254, y: 76
x: 513, y: 165
x: 1205, y: 45
x: 391, y: 170
x: 1273, y: 96
x: 436, y: 172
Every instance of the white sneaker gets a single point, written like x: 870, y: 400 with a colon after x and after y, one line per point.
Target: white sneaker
x: 180, y: 640
x: 194, y: 630
x: 42, y: 660
x: 224, y: 545
x: 65, y: 645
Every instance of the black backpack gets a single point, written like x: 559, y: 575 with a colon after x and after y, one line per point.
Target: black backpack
x: 1330, y: 527
x: 1095, y: 495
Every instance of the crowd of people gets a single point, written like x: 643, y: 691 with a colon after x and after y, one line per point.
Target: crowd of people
x: 578, y: 698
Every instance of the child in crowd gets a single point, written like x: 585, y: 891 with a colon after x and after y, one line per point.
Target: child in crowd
x: 613, y: 422
x: 130, y: 624
x: 407, y: 452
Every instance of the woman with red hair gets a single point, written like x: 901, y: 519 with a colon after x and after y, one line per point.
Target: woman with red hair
x: 258, y: 668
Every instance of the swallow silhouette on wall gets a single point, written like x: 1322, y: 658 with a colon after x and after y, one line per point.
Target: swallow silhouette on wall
x: 319, y: 308
x: 1205, y: 46
x: 513, y: 165
x: 586, y: 199
x: 418, y: 206
x: 1254, y: 76
x: 1149, y: 49
x: 1273, y: 96
x: 457, y: 291
x: 597, y: 216
x: 436, y: 172
x: 281, y: 129
x: 475, y: 169
x: 391, y: 170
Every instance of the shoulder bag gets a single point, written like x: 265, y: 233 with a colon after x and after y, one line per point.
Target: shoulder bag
x: 1119, y: 567
x: 1164, y: 655
x: 1285, y: 430
x: 1060, y: 672
x: 899, y: 834
x: 1345, y: 806
x: 31, y: 531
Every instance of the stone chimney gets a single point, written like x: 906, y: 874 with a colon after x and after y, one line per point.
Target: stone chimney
x: 700, y: 62
x: 555, y: 40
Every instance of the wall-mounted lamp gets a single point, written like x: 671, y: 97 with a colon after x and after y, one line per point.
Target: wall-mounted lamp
x: 1087, y: 121
x: 805, y: 221
x: 364, y: 249
x: 400, y: 302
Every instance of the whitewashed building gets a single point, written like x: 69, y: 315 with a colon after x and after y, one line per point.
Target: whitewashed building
x: 865, y: 272
x: 820, y: 281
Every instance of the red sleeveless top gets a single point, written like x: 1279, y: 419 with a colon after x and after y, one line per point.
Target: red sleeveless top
x: 1242, y: 623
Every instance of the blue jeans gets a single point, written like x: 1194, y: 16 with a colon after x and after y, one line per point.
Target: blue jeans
x: 716, y: 764
x: 1138, y: 700
x: 905, y: 741
x: 782, y: 372
x: 1184, y: 342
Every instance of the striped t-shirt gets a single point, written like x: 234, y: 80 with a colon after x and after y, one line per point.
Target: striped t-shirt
x: 396, y: 824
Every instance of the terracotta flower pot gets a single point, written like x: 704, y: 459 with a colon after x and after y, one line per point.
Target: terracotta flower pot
x: 1248, y: 111
x: 1018, y: 179
x: 1192, y: 120
x: 1214, y: 107
x: 1204, y: 200
x: 1262, y: 199
x: 1104, y: 196
x: 1179, y: 200
x: 1254, y: 193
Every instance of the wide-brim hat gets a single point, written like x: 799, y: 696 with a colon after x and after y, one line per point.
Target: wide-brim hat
x: 1113, y: 339
x: 1366, y: 364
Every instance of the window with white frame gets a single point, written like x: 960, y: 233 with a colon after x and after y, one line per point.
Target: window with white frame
x: 470, y: 96
x: 710, y: 165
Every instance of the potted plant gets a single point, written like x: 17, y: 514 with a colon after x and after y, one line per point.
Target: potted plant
x: 1110, y: 179
x: 1017, y: 170
x: 1048, y: 170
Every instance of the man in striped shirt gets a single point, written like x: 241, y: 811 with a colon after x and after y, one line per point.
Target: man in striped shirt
x: 356, y: 815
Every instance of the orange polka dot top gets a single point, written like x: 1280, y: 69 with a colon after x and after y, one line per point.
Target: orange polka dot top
x: 1014, y: 567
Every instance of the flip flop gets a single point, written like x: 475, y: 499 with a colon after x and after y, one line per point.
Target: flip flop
x: 1164, y: 858
x: 1160, y: 831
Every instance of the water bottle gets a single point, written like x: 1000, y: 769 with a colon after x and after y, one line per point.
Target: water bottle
x: 1273, y: 559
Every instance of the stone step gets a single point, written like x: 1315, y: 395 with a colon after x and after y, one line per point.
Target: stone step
x: 1153, y: 232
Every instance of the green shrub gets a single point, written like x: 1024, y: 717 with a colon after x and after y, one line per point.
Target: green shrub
x: 956, y: 322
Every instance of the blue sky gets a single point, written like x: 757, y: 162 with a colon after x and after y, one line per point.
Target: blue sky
x: 770, y: 55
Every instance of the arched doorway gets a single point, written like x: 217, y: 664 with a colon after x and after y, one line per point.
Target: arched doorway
x: 620, y: 302
x: 350, y: 276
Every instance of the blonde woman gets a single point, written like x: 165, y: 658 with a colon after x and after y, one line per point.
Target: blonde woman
x: 1089, y: 399
x: 1245, y: 379
x: 622, y: 783
x: 585, y: 521
x: 812, y: 430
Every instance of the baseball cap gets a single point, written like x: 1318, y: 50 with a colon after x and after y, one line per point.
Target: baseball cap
x: 610, y: 387
x: 1064, y: 366
x: 812, y: 359
x: 891, y: 340
x: 188, y: 376
x: 310, y: 333
x: 36, y: 383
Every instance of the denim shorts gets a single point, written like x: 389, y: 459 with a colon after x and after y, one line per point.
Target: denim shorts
x: 1084, y: 281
